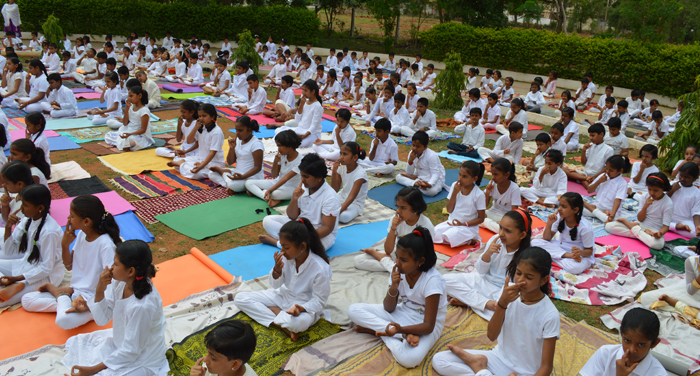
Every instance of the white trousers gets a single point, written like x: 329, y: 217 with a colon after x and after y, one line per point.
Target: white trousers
x: 473, y: 290
x: 687, y: 234
x: 598, y: 213
x: 6, y: 270
x: 306, y: 142
x: 45, y: 302
x: 273, y: 224
x: 234, y: 185
x: 409, y: 132
x: 488, y: 126
x: 377, y: 168
x: 408, y: 182
x: 500, y: 128
x: 446, y: 363
x: 619, y: 229
x: 485, y: 153
x: 110, y: 120
x: 533, y: 194
x: 153, y: 103
x: 46, y: 106
x: 491, y: 221
x: 255, y: 304
x: 367, y: 262
x: 258, y: 187
x: 186, y: 169
x: 455, y: 235
x: 375, y: 317
x: 34, y: 107
x: 349, y: 214
x: 327, y: 151
x: 570, y: 265
x: 461, y: 117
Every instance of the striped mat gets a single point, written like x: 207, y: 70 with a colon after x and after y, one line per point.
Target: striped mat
x: 148, y: 209
x: 159, y: 183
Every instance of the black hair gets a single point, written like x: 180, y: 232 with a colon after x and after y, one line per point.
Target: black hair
x: 383, y: 124
x: 371, y: 90
x: 651, y: 149
x: 505, y: 166
x: 18, y: 171
x: 474, y: 169
x: 136, y: 254
x: 493, y: 96
x: 559, y: 126
x: 618, y: 163
x: 37, y: 159
x: 543, y: 137
x: 414, y: 66
x: 66, y: 54
x: 610, y: 100
x: 421, y: 100
x: 421, y: 137
x: 518, y: 102
x: 642, y: 321
x: 569, y: 111
x: 588, y: 74
x: 144, y: 94
x: 35, y: 194
x: 390, y: 87
x: 523, y: 225
x: 50, y: 44
x: 576, y: 202
x: 615, y: 123
x: 112, y: 76
x: 635, y: 93
x: 111, y: 61
x: 302, y: 231
x: 658, y: 179
x: 657, y: 115
x: 346, y: 69
x: 430, y: 66
x: 333, y: 74
x: 514, y: 127
x: 126, y: 49
x: 538, y: 80
x: 690, y: 168
x: 121, y: 70
x: 474, y: 70
x: 539, y: 259
x: 288, y: 79
x: 101, y: 55
x: 355, y: 149
x: 288, y: 138
x: 475, y: 93
x: 555, y: 74
x: 555, y: 156
x: 249, y: 123
x: 313, y: 165
x: 568, y: 94
x: 414, y: 198
x: 539, y: 86
x: 36, y: 63
x: 585, y: 81
x: 400, y: 97
x: 419, y: 243
x: 193, y: 56
x: 596, y: 128
x: 210, y: 110
x: 234, y: 339
x: 475, y: 110
x: 344, y: 114
x: 89, y: 206
x: 190, y: 105
x: 413, y: 85
x: 642, y: 92
x: 222, y: 62
x: 18, y: 63
x: 252, y: 77
x: 695, y: 148
x: 510, y: 79
x: 623, y: 103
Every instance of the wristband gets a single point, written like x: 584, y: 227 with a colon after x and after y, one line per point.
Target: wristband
x: 499, y: 304
x: 389, y: 293
x: 466, y: 223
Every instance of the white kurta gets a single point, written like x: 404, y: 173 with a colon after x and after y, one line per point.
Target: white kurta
x: 466, y: 209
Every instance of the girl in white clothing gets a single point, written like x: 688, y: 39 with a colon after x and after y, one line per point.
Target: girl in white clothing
x: 209, y: 139
x: 111, y: 97
x: 13, y: 83
x: 126, y: 295
x: 24, y: 150
x: 410, y: 206
x: 504, y: 190
x: 534, y: 99
x: 180, y: 69
x: 36, y: 124
x: 230, y: 345
x: 307, y: 121
x: 525, y: 323
x: 655, y: 214
x: 641, y: 170
x: 35, y: 245
x: 342, y: 133
x: 186, y: 124
x: 332, y: 92
x: 135, y: 133
x: 573, y: 251
x: 566, y: 102
x: 686, y: 202
x: 285, y: 171
x: 516, y: 114
x: 38, y: 85
x: 481, y: 290
x: 246, y: 153
x: 467, y: 208
x: 354, y: 180
x: 415, y: 306
x: 470, y: 82
x: 220, y: 79
x: 300, y: 283
x: 16, y: 175
x: 93, y: 252
x: 550, y: 86
x: 194, y: 72
x: 549, y: 182
x: 688, y: 155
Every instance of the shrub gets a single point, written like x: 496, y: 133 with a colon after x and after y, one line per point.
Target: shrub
x: 672, y: 147
x: 658, y: 68
x: 246, y: 51
x: 449, y: 84
x: 212, y: 22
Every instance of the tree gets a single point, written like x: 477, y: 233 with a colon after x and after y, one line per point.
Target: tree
x: 53, y: 31
x: 246, y: 51
x: 386, y: 12
x: 648, y: 20
x: 418, y: 10
x: 474, y: 12
x: 672, y: 147
x: 449, y: 84
x: 331, y: 8
x: 530, y: 11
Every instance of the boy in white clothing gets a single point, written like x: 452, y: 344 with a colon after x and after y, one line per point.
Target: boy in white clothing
x: 658, y: 129
x: 557, y: 135
x: 593, y: 158
x: 390, y: 65
x: 583, y: 95
x: 544, y: 143
x: 416, y: 75
x: 571, y: 129
x: 634, y: 104
x: 384, y: 153
x: 601, y: 102
x: 549, y: 182
x: 606, y: 112
x: 277, y: 72
x: 68, y: 66
x: 492, y: 116
x: 399, y: 116
x: 257, y: 97
x: 424, y: 120
x: 342, y: 133
x: 622, y: 114
x: 644, y: 117
x: 424, y: 169
x: 284, y: 103
x: 508, y: 146
x: 474, y: 136
x: 61, y: 101
x: 53, y: 62
x: 474, y: 101
x: 615, y: 139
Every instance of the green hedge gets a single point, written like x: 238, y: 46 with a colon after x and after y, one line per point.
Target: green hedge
x: 212, y: 22
x: 658, y: 68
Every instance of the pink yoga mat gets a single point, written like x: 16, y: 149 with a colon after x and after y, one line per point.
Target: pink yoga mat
x: 633, y: 244
x: 20, y: 133
x: 262, y: 119
x: 114, y: 204
x: 573, y: 186
x: 92, y: 95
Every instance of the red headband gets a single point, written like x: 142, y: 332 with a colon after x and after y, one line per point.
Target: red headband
x: 656, y: 177
x: 301, y: 220
x: 139, y: 278
x: 527, y: 223
x: 417, y: 233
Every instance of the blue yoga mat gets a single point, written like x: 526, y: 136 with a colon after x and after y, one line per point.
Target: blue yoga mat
x: 262, y: 133
x: 130, y: 228
x: 57, y: 143
x: 86, y: 105
x: 257, y: 260
x: 327, y: 126
x: 457, y: 158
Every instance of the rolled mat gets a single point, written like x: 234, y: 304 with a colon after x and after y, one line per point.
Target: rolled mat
x: 216, y: 268
x: 181, y: 88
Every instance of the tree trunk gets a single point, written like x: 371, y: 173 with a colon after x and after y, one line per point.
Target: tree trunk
x: 442, y: 20
x: 352, y: 23
x: 398, y: 22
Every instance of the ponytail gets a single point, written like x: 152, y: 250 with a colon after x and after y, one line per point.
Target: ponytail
x: 136, y: 254
x: 38, y: 119
x: 420, y: 244
x: 313, y: 86
x: 539, y: 259
x: 37, y: 63
x: 89, y: 206
x: 302, y: 231
x: 356, y: 149
x: 210, y: 110
x: 35, y: 194
x: 505, y: 166
x: 249, y: 123
x: 37, y: 157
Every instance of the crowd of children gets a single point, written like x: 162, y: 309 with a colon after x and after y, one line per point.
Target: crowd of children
x: 111, y: 278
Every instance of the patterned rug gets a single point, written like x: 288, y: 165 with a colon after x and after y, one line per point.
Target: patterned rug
x: 57, y: 192
x: 12, y: 112
x: 441, y: 136
x: 89, y: 186
x: 102, y: 148
x: 148, y: 209
x: 83, y: 135
x: 159, y: 183
x: 217, y: 102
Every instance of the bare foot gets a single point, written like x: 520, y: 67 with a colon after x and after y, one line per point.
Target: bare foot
x: 379, y: 175
x: 457, y: 303
x: 294, y: 336
x: 273, y: 203
x: 625, y: 222
x: 451, y: 152
x: 10, y: 291
x: 50, y: 288
x: 362, y: 329
x: 374, y: 253
x: 412, y: 339
x: 267, y: 239
x: 475, y: 362
x: 230, y: 192
x: 171, y: 164
x: 218, y: 169
x: 127, y: 149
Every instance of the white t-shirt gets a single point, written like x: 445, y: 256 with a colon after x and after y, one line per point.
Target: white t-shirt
x: 135, y: 122
x: 38, y: 85
x: 211, y: 141
x: 386, y: 151
x: 12, y: 79
x: 686, y: 204
x: 520, y: 117
x: 428, y: 284
x: 347, y: 134
x: 603, y: 363
x: 659, y: 213
x: 111, y: 97
x: 467, y: 207
x: 560, y: 145
x: 349, y: 180
x: 244, y: 154
x: 642, y: 185
x: 572, y: 127
x: 525, y: 327
x: 597, y: 155
x: 287, y: 166
x: 89, y: 260
x: 503, y: 203
x: 323, y: 202
x: 617, y: 143
x: 507, y: 94
x: 493, y: 112
x: 585, y: 238
x: 609, y: 191
x: 287, y: 96
x: 404, y: 228
x: 556, y: 184
x: 664, y: 127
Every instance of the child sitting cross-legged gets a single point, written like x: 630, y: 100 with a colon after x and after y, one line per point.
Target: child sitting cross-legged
x: 474, y: 136
x: 135, y: 133
x: 399, y: 115
x: 209, y: 139
x: 384, y: 153
x: 246, y: 153
x: 616, y: 139
x: 641, y: 170
x: 508, y: 146
x: 423, y: 120
x: 516, y: 114
x: 594, y: 156
x: 285, y: 171
x: 424, y: 168
x: 284, y: 102
x: 504, y: 190
x: 300, y: 282
x: 186, y: 124
x: 611, y: 188
x: 544, y: 143
x: 492, y: 115
x: 307, y: 121
x: 354, y: 180
x: 413, y: 315
x: 686, y: 202
x: 342, y: 133
x: 257, y: 98
x: 549, y: 183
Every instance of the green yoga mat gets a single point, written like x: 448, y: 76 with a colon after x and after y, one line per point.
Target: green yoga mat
x: 216, y: 217
x: 180, y: 95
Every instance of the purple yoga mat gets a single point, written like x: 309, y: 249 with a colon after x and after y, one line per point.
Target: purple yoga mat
x: 83, y: 90
x: 180, y: 88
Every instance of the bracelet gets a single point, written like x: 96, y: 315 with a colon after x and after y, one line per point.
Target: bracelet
x: 393, y: 296
x: 499, y: 304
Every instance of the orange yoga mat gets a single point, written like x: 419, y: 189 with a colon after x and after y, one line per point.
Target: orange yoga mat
x: 175, y: 280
